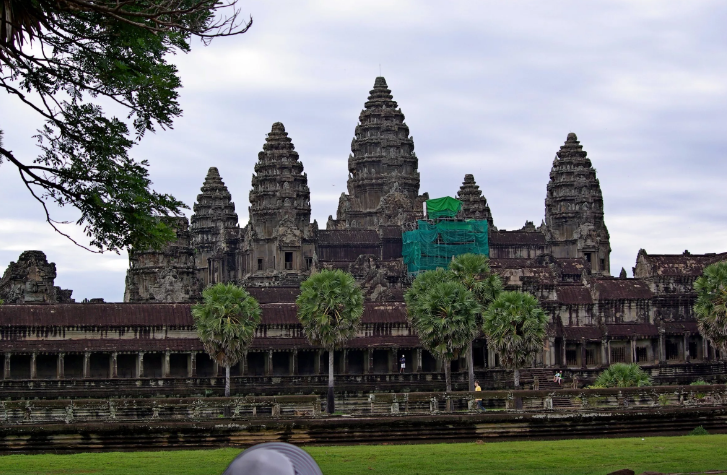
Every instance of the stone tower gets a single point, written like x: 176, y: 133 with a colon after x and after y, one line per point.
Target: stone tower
x: 168, y: 275
x: 213, y: 224
x: 474, y: 205
x: 574, y: 225
x: 383, y: 181
x: 278, y: 243
x: 30, y: 280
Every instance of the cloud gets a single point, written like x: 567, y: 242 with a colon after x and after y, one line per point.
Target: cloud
x: 489, y: 88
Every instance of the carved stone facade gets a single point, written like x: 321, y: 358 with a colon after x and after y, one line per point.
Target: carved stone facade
x: 383, y: 181
x: 214, y: 230
x: 574, y: 225
x: 30, y: 280
x: 474, y: 205
x: 278, y: 242
x: 169, y: 275
x: 594, y: 319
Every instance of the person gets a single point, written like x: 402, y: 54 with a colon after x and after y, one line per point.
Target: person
x: 558, y: 377
x: 402, y: 362
x: 480, y: 407
x: 555, y: 377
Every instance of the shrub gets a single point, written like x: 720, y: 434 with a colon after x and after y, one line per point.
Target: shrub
x: 663, y: 399
x: 621, y: 375
x: 700, y: 382
x: 699, y: 430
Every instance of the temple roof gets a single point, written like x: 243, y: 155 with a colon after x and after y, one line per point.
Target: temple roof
x: 691, y: 265
x: 622, y: 289
x: 348, y: 237
x: 573, y: 295
x: 159, y: 315
x: 516, y: 238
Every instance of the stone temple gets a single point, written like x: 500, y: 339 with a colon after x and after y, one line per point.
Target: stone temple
x: 594, y: 319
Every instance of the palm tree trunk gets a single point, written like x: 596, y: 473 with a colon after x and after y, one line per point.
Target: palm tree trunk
x: 447, y: 375
x: 330, y: 406
x: 227, y: 381
x: 471, y: 366
x: 516, y: 373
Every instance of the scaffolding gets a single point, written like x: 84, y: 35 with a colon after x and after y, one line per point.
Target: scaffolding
x: 436, y: 241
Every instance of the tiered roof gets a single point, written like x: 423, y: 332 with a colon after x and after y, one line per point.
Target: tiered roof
x: 574, y: 193
x: 214, y: 211
x: 279, y: 185
x: 474, y: 205
x: 382, y: 161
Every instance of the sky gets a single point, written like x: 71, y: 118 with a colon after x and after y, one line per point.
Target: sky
x: 488, y: 88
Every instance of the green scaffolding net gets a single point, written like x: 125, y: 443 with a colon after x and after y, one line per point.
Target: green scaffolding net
x: 435, y: 242
x: 445, y: 207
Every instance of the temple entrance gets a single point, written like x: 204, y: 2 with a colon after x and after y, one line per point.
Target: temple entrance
x: 478, y: 354
x: 99, y: 365
x: 429, y: 362
x: 256, y: 363
x: 178, y: 365
x: 73, y: 366
x: 153, y: 365
x: 281, y: 363
x: 381, y: 361
x: 20, y: 367
x: 126, y: 366
x: 46, y: 366
x: 205, y: 366
x: 355, y: 361
x: 307, y: 362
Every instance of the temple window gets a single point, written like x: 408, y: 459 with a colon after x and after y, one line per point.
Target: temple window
x: 259, y: 264
x: 288, y: 261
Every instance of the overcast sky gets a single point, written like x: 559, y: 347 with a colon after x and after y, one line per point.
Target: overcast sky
x: 488, y: 88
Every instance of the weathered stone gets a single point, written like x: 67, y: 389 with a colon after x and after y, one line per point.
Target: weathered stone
x: 383, y: 181
x: 168, y: 275
x: 474, y: 205
x: 213, y: 225
x: 574, y: 209
x: 30, y: 280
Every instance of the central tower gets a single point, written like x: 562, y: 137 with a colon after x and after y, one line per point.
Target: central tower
x: 383, y: 181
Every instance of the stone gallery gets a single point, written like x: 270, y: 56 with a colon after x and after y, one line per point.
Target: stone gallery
x: 149, y: 340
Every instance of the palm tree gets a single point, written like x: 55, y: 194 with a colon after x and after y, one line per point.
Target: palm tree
x: 473, y: 271
x: 515, y: 326
x: 444, y: 314
x: 330, y: 306
x: 226, y: 321
x: 622, y: 375
x: 711, y: 305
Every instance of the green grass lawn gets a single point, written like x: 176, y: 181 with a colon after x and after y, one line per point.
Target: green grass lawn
x: 592, y: 456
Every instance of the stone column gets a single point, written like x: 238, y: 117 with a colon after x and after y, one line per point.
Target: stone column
x: 608, y: 353
x: 604, y: 352
x: 294, y: 362
x: 140, y: 365
x: 215, y: 368
x: 33, y: 367
x: 6, y: 368
x: 583, y: 352
x: 113, y: 365
x: 317, y: 362
x: 632, y: 343
x: 563, y: 360
x: 244, y: 365
x: 165, y: 365
x: 393, y: 360
x: 344, y: 361
x: 687, y: 356
x: 192, y: 364
x: 662, y: 347
x: 87, y: 364
x: 269, y: 363
x: 548, y: 355
x: 366, y: 358
x: 61, y: 366
x: 418, y: 362
x: 490, y: 357
x: 705, y: 350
